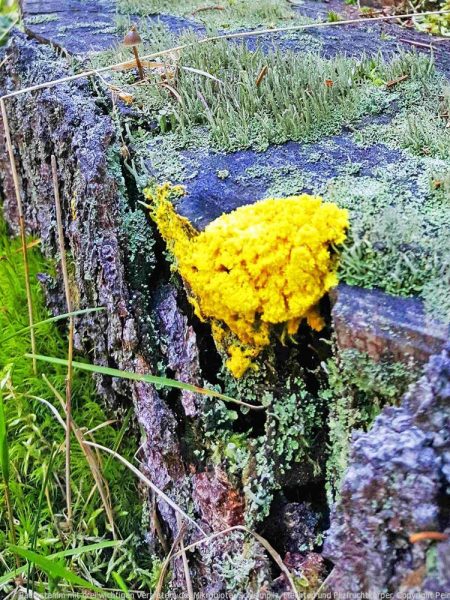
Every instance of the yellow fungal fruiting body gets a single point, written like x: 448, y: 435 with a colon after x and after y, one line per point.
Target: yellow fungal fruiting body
x: 261, y: 265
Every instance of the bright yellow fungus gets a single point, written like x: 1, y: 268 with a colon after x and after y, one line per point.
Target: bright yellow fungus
x: 262, y: 265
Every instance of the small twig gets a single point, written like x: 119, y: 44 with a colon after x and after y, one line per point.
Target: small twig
x: 69, y: 376
x: 187, y: 574
x: 12, y: 162
x: 262, y: 75
x: 417, y: 44
x: 204, y: 8
x: 394, y: 82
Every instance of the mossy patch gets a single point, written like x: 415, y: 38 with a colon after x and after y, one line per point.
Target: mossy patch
x: 136, y: 235
x: 302, y: 97
x: 258, y: 463
x: 356, y: 391
x: 285, y: 180
x: 44, y: 18
x: 228, y: 14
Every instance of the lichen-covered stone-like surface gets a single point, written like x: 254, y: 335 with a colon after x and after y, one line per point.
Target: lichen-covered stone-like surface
x: 77, y: 26
x: 397, y: 484
x: 386, y: 327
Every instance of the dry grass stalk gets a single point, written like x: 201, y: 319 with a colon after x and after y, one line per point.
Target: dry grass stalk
x: 187, y: 574
x: 69, y: 378
x: 30, y: 245
x: 322, y: 586
x: 172, y: 91
x: 421, y: 536
x: 165, y: 565
x: 418, y: 44
x: 205, y: 8
x: 270, y: 549
x: 15, y: 177
x: 395, y: 82
x: 261, y: 76
x: 148, y: 483
x: 100, y: 482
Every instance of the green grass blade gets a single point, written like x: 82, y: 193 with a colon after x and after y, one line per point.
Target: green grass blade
x: 75, y: 313
x: 30, y: 574
x: 119, y: 438
x: 4, y: 452
x: 7, y: 577
x: 122, y: 585
x: 85, y: 549
x: 4, y: 459
x: 162, y: 381
x: 52, y: 568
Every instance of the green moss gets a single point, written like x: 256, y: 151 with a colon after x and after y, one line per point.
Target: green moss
x: 136, y: 233
x: 228, y: 449
x: 356, y: 391
x: 400, y: 215
x: 232, y: 14
x: 293, y: 421
x: 293, y: 101
x: 420, y: 124
x: 243, y: 571
x: 399, y: 221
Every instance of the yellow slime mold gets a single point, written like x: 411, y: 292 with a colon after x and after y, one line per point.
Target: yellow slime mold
x: 262, y: 265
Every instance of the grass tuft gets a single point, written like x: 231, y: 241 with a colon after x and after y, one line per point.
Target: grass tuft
x: 35, y: 443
